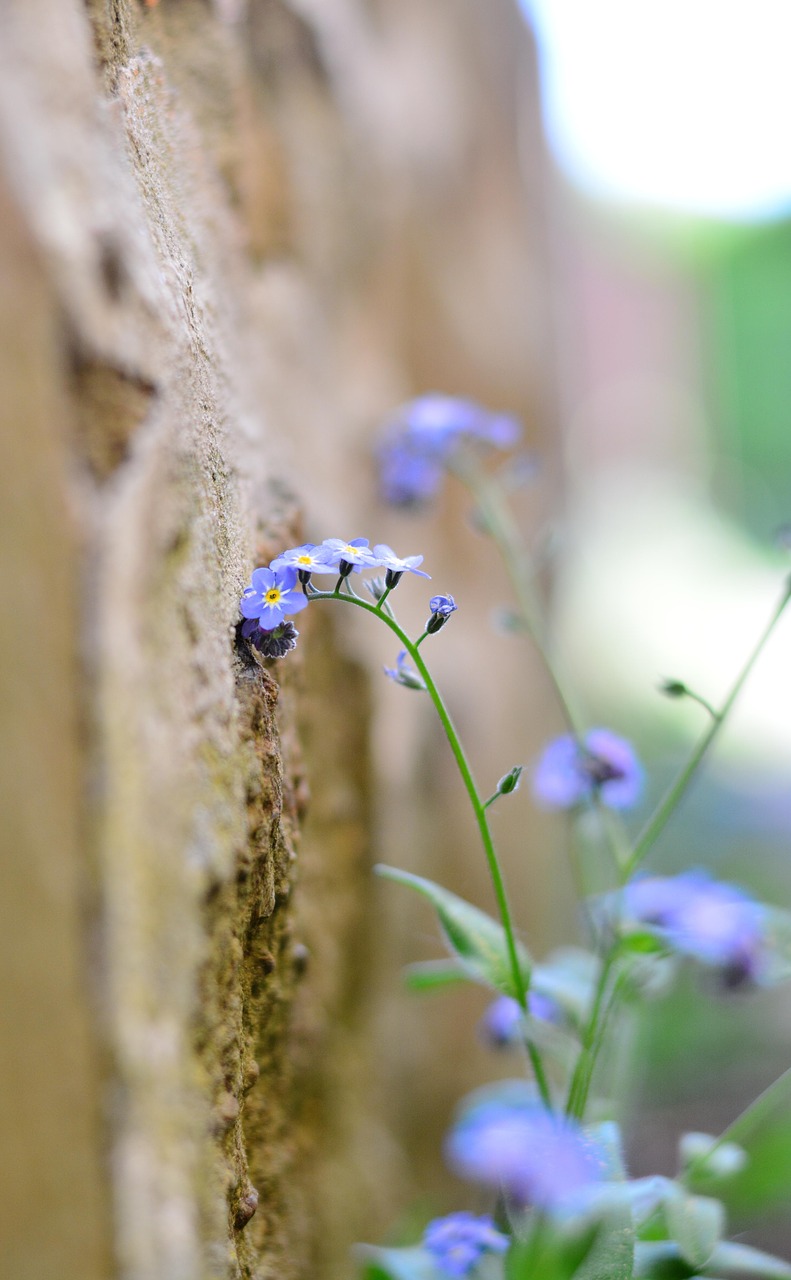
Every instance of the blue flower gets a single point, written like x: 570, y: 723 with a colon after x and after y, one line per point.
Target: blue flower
x: 348, y: 557
x: 522, y: 1152
x: 441, y: 608
x: 457, y: 1242
x: 709, y: 920
x: 386, y: 558
x: 501, y: 1026
x: 271, y: 597
x: 306, y: 559
x: 570, y: 773
x: 404, y: 674
x: 422, y: 437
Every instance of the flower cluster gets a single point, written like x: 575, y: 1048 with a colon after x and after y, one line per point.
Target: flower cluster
x: 274, y: 594
x: 458, y: 1242
x: 711, y: 921
x: 422, y: 437
x: 526, y: 1154
x: 603, y: 766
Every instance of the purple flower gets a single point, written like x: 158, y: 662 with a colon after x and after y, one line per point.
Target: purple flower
x: 404, y: 674
x: 386, y: 558
x: 306, y: 559
x: 348, y: 557
x: 457, y: 1242
x: 271, y: 597
x: 501, y: 1025
x: 570, y: 773
x: 525, y: 1154
x: 272, y: 644
x: 715, y: 923
x: 422, y: 437
x: 441, y: 608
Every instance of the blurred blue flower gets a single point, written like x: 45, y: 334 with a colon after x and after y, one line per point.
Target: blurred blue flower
x: 570, y: 773
x: 422, y: 436
x: 501, y: 1024
x: 714, y: 922
x: 348, y: 557
x: 386, y: 558
x: 457, y: 1242
x: 404, y: 674
x: 271, y: 597
x: 525, y: 1154
x: 441, y: 608
x: 306, y: 559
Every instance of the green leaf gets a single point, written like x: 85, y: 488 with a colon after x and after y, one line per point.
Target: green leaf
x: 659, y: 1260
x: 434, y: 975
x: 612, y: 1254
x: 777, y: 947
x: 394, y: 1264
x: 477, y: 940
x: 741, y: 1260
x: 696, y: 1223
x: 549, y: 1255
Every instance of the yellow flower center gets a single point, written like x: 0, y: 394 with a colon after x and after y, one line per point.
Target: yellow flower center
x: 273, y: 595
x: 305, y: 560
x: 350, y: 551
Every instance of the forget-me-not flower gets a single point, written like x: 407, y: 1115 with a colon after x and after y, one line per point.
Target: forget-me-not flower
x: 271, y: 644
x: 396, y: 566
x: 570, y: 773
x: 525, y: 1154
x: 709, y: 920
x: 306, y: 559
x: 271, y: 597
x: 458, y: 1242
x: 502, y: 1024
x: 441, y: 607
x: 349, y: 557
x: 403, y: 674
x: 422, y: 437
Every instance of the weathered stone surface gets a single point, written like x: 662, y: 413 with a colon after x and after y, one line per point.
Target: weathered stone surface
x: 230, y: 238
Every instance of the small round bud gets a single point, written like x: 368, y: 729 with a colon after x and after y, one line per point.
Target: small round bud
x: 674, y: 689
x: 510, y: 781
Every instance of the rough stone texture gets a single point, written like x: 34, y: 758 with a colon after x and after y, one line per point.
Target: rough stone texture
x: 230, y: 239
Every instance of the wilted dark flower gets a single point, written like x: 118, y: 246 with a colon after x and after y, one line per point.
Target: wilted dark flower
x: 457, y: 1242
x: 570, y: 773
x: 271, y: 644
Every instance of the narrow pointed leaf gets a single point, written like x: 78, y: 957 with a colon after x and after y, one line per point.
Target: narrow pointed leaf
x: 475, y: 938
x: 730, y: 1259
x: 696, y: 1223
x: 434, y: 975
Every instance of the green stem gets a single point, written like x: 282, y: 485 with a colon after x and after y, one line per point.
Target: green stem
x: 479, y: 810
x: 583, y: 1070
x: 674, y: 794
x: 750, y: 1119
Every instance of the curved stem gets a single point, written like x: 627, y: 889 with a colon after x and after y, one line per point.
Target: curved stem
x: 672, y: 797
x: 481, y: 818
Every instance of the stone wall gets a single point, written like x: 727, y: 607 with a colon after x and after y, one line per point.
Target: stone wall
x: 230, y: 239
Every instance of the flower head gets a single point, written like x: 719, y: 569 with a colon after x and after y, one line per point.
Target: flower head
x: 271, y: 597
x: 403, y: 674
x: 709, y: 920
x: 306, y: 559
x: 422, y: 437
x: 502, y: 1024
x: 396, y: 566
x: 272, y: 644
x: 456, y: 1243
x: 441, y: 608
x: 526, y: 1154
x: 570, y: 773
x: 348, y: 557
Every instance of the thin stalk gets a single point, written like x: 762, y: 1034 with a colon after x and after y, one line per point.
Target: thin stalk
x: 674, y: 794
x: 745, y: 1123
x: 578, y: 1089
x: 481, y: 818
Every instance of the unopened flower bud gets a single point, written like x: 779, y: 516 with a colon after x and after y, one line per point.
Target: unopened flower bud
x: 674, y: 689
x: 510, y: 781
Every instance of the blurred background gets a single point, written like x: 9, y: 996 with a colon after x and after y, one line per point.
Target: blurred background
x: 618, y: 272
